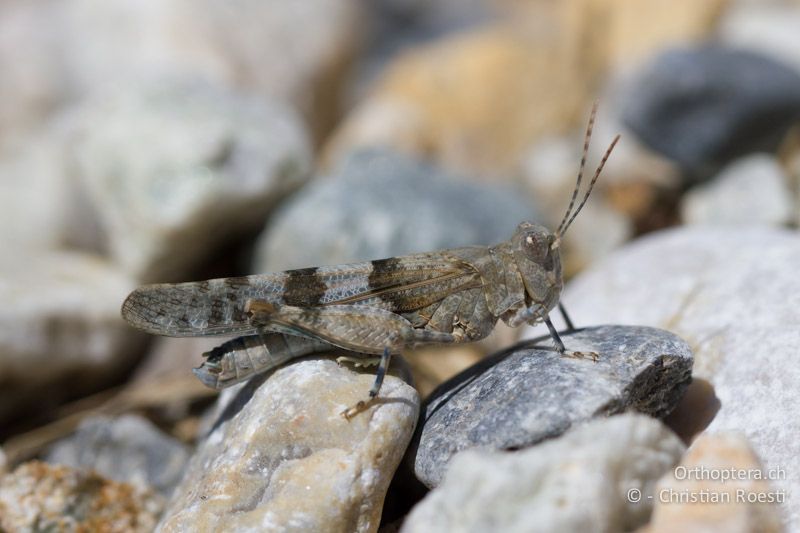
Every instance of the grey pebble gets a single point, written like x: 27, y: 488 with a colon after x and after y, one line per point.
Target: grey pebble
x: 382, y: 204
x: 707, y: 105
x: 127, y: 449
x: 530, y: 394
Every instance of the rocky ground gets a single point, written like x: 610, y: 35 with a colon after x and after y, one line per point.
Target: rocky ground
x: 165, y: 141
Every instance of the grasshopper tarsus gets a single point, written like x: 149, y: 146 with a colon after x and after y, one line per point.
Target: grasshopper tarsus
x: 594, y: 356
x: 350, y: 412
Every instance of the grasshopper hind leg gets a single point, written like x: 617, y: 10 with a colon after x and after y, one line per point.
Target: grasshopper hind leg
x: 383, y: 366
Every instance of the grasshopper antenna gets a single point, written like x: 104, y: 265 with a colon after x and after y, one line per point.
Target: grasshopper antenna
x: 591, y: 183
x: 586, y: 140
x: 569, y: 216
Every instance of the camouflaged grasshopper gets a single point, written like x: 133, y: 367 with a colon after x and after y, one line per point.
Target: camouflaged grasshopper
x: 374, y: 308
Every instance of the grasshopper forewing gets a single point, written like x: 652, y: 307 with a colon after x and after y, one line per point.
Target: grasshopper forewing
x: 375, y: 307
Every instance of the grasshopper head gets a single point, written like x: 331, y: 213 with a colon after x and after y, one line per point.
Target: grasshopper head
x: 536, y: 252
x: 536, y: 249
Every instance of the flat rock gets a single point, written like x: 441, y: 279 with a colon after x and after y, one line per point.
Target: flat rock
x: 183, y: 165
x: 41, y: 497
x: 584, y: 480
x: 382, y: 204
x: 532, y: 394
x: 60, y: 319
x: 696, y: 495
x: 707, y: 105
x: 751, y: 190
x: 281, y: 457
x: 127, y: 449
x: 733, y: 294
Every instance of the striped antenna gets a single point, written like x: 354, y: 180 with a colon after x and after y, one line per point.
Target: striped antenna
x: 591, y: 184
x: 569, y: 216
x: 586, y: 140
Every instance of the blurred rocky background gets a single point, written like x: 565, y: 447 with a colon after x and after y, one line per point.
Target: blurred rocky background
x: 151, y: 141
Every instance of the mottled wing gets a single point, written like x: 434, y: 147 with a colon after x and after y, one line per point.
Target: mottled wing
x: 216, y: 307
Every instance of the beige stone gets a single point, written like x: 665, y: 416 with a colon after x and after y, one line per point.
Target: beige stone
x: 281, y: 457
x: 60, y: 326
x: 473, y: 101
x: 42, y: 497
x: 687, y: 500
x: 620, y: 33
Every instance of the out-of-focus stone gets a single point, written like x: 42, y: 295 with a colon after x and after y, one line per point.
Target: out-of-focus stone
x: 708, y: 105
x: 30, y: 89
x: 394, y: 26
x: 432, y: 365
x: 733, y: 294
x: 581, y: 481
x: 550, y: 168
x: 60, y: 327
x: 694, y: 496
x: 382, y: 204
x: 127, y: 449
x: 767, y: 27
x: 473, y: 102
x: 752, y: 190
x: 529, y: 394
x: 632, y: 30
x: 296, y: 53
x: 281, y: 456
x: 45, y: 206
x: 40, y: 497
x: 174, y: 168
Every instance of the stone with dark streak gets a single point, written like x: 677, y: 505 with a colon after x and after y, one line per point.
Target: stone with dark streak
x: 528, y: 394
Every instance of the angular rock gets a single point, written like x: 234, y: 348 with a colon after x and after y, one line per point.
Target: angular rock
x: 708, y: 105
x: 585, y: 480
x: 381, y: 204
x: 733, y: 294
x: 694, y: 496
x: 174, y: 168
x: 752, y: 190
x: 60, y: 319
x: 41, y: 497
x: 280, y: 455
x: 127, y: 449
x: 532, y: 394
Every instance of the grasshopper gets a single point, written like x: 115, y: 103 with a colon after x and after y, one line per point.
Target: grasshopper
x: 370, y: 308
